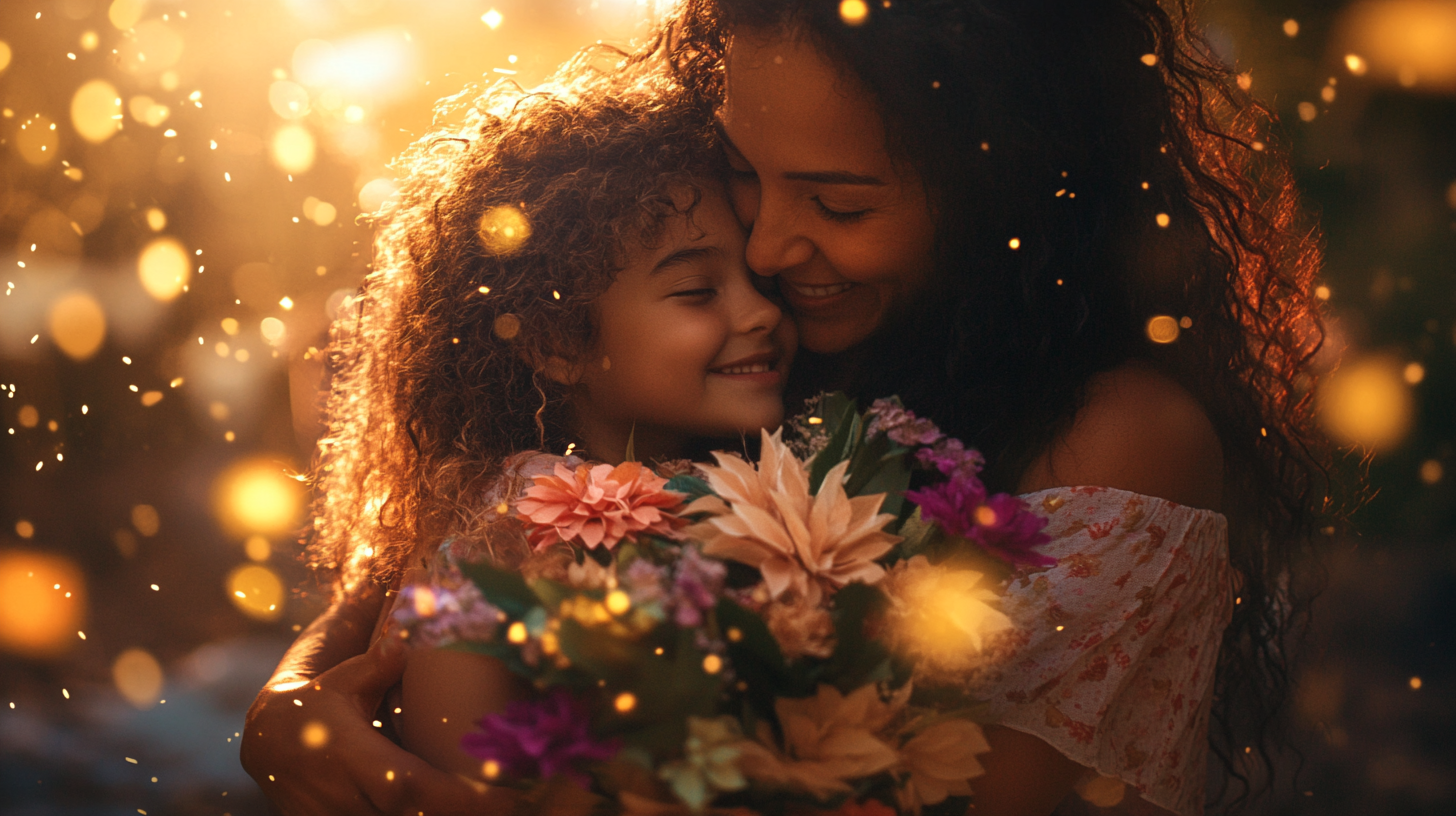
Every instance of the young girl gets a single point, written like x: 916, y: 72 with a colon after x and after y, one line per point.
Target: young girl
x: 566, y: 276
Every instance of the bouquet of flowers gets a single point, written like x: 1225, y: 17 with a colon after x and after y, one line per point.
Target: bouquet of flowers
x: 789, y: 635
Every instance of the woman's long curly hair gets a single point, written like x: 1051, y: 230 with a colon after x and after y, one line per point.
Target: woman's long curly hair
x: 1141, y: 181
x: 512, y: 218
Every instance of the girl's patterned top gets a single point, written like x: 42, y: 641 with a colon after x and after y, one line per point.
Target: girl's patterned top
x: 1112, y: 658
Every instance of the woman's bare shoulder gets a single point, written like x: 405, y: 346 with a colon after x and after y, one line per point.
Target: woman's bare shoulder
x: 1140, y: 431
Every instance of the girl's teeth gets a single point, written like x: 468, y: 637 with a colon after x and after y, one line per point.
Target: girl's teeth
x: 823, y: 291
x: 760, y: 368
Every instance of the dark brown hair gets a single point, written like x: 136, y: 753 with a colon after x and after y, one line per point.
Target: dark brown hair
x: 512, y: 218
x: 1139, y: 180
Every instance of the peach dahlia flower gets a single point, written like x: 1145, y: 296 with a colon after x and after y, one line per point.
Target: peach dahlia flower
x: 599, y: 506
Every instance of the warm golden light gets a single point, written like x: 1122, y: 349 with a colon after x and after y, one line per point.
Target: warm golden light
x: 625, y: 702
x: 156, y: 219
x: 4, y: 55
x: 492, y: 19
x: 516, y: 633
x: 1368, y: 403
x: 138, y: 678
x: 504, y: 229
x: 77, y: 324
x: 146, y: 520
x: 288, y: 99
x: 124, y: 14
x: 1162, y: 329
x: 95, y: 111
x: 293, y: 149
x: 507, y: 326
x: 146, y: 111
x: 1291, y: 28
x: 1410, y: 41
x: 257, y: 548
x: 164, y: 267
x: 37, y: 619
x: 618, y: 602
x: 255, y: 496
x: 314, y: 734
x: 1414, y: 373
x: 1432, y: 471
x: 36, y: 141
x: 1356, y: 64
x: 273, y: 330
x: 854, y: 12
x: 256, y: 591
x: 712, y: 664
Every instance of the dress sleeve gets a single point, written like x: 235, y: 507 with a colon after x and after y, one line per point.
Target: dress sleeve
x: 1112, y: 657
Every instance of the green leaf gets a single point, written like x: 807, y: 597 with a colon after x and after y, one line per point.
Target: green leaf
x: 846, y: 436
x: 691, y: 486
x: 857, y: 659
x: 758, y: 661
x: 630, y: 454
x: 504, y: 589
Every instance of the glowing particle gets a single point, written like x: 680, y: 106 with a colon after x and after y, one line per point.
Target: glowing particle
x: 77, y: 324
x: 1163, y: 220
x: 854, y: 12
x: 1149, y: 59
x: 1307, y: 111
x: 492, y: 19
x: 314, y: 734
x: 94, y: 111
x: 151, y: 398
x: 24, y: 529
x: 377, y: 724
x: 293, y: 149
x: 156, y: 588
x: 1415, y: 682
x: 1414, y: 373
x: 1322, y: 292
x: 712, y: 664
x: 170, y: 133
x: 286, y: 303
x: 1367, y: 402
x: 163, y: 267
x: 1162, y: 329
x: 1014, y: 243
x: 507, y: 326
x: 5, y: 55
x: 490, y: 769
x: 484, y: 290
x: 138, y: 678
x: 67, y: 694
x: 85, y: 410
x: 618, y: 602
x: 1291, y: 28
x: 256, y: 591
x: 1431, y: 471
x: 625, y: 702
x: 389, y: 776
x: 1356, y: 64
x: 89, y: 41
x: 1327, y: 93
x: 516, y: 633
x: 503, y: 229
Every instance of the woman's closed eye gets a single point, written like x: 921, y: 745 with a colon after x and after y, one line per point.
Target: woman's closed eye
x: 840, y: 216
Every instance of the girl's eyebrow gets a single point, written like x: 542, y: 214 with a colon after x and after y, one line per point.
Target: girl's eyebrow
x: 684, y: 256
x: 816, y: 176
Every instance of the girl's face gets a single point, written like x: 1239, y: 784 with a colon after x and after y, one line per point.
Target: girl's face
x: 686, y: 345
x: 848, y: 229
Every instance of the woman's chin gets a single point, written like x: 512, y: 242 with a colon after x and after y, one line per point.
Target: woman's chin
x: 833, y: 336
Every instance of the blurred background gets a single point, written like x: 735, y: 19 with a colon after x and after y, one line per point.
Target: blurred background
x: 180, y: 184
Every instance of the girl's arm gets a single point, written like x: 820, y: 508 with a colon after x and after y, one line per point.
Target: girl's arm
x: 1139, y: 431
x: 445, y: 693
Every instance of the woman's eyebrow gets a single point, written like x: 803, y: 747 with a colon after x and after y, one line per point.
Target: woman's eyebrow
x: 815, y: 176
x: 684, y: 256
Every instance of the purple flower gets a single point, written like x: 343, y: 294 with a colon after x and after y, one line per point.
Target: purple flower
x: 1002, y: 524
x: 696, y: 585
x: 540, y: 739
x: 435, y: 615
x: 900, y: 425
x: 952, y: 458
x: 645, y: 583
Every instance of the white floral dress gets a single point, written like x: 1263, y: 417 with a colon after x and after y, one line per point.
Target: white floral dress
x: 1113, y: 655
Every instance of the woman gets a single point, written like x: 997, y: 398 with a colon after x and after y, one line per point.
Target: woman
x: 992, y: 209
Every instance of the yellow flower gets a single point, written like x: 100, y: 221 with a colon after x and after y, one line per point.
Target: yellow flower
x: 829, y: 739
x: 940, y: 761
x: 801, y: 543
x: 940, y: 615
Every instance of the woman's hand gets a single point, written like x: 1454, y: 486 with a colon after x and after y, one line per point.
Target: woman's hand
x: 352, y: 768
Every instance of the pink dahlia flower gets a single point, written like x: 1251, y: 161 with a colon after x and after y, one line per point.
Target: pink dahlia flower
x: 599, y: 506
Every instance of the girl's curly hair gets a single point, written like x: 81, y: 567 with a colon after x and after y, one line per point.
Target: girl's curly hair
x: 1141, y: 180
x: 513, y: 216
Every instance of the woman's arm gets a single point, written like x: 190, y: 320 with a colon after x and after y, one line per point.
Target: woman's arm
x: 1139, y: 431
x: 446, y: 693
x: 324, y: 679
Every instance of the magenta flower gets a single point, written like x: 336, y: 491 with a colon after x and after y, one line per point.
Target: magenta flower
x: 696, y: 584
x: 952, y: 458
x: 1002, y: 524
x: 540, y: 739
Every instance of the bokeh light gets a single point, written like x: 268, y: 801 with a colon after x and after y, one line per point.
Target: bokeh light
x: 42, y: 603
x: 256, y: 591
x: 138, y: 678
x: 256, y: 496
x: 4, y: 55
x: 124, y: 14
x: 1162, y: 329
x: 1368, y: 403
x: 164, y: 268
x: 504, y: 229
x: 314, y: 734
x: 293, y: 149
x: 37, y: 141
x: 374, y: 195
x: 96, y: 111
x: 77, y: 324
x: 288, y: 99
x: 146, y: 519
x: 1412, y: 42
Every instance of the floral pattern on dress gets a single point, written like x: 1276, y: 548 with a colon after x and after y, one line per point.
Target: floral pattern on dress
x: 1113, y: 654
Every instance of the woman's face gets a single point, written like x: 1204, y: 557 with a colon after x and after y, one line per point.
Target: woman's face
x: 846, y: 228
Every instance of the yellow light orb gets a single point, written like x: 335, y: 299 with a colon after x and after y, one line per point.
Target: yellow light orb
x: 164, y: 267
x: 1356, y: 64
x: 156, y: 219
x: 256, y: 591
x: 854, y: 12
x: 618, y: 602
x: 273, y: 330
x: 516, y: 633
x: 257, y: 548
x: 125, y: 13
x: 94, y: 109
x: 1414, y: 373
x: 5, y: 55
x: 314, y: 734
x: 138, y: 678
x: 293, y: 149
x: 504, y: 229
x: 77, y: 324
x: 36, y: 618
x: 712, y: 664
x: 492, y: 19
x: 625, y: 702
x: 1368, y: 403
x: 90, y: 40
x: 288, y: 99
x: 36, y: 141
x: 256, y: 497
x: 146, y: 519
x: 1162, y: 329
